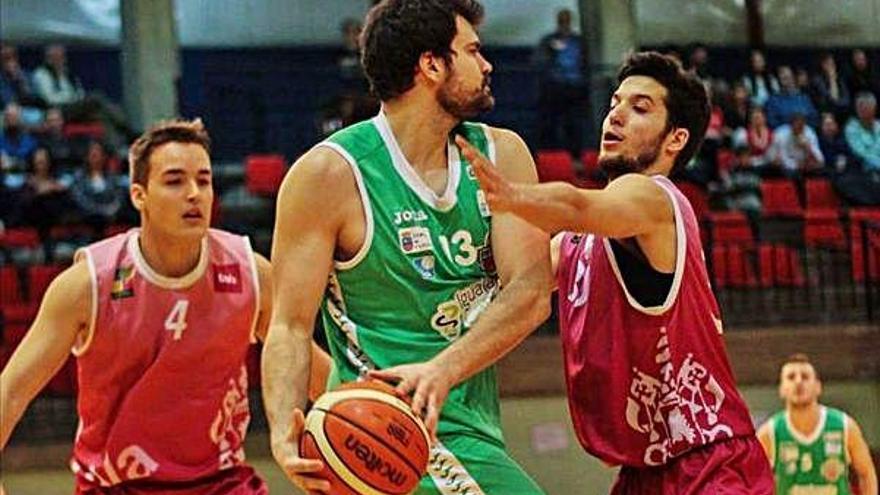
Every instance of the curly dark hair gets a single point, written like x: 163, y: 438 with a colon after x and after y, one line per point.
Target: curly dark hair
x: 687, y: 101
x: 398, y: 32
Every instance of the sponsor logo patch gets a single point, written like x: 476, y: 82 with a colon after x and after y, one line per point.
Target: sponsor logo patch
x: 122, y: 283
x: 227, y: 278
x: 425, y: 266
x: 415, y: 240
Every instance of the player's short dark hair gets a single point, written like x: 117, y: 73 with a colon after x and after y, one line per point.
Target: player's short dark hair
x: 166, y: 131
x: 398, y: 32
x: 687, y: 101
x: 800, y: 358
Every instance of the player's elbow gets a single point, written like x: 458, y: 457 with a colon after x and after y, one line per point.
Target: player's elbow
x: 536, y: 301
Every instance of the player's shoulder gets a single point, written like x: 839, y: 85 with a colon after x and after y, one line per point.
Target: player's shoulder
x: 73, y: 288
x: 321, y: 169
x: 504, y: 137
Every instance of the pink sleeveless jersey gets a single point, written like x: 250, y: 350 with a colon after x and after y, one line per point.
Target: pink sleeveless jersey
x: 162, y: 377
x: 645, y: 384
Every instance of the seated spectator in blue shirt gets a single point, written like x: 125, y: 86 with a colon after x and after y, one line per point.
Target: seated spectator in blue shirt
x: 796, y: 148
x: 863, y: 132
x: 16, y: 144
x: 789, y: 101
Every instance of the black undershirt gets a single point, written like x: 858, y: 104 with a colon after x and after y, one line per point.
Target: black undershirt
x: 648, y: 286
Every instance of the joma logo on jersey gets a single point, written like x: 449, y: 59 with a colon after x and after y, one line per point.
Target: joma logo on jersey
x: 227, y: 278
x: 409, y: 216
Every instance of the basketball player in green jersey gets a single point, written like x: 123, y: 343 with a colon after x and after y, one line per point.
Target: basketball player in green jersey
x: 427, y: 289
x: 811, y: 447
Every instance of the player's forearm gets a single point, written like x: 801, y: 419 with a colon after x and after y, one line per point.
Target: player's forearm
x: 553, y: 206
x: 12, y: 406
x: 868, y: 482
x: 320, y: 371
x: 285, y: 367
x: 516, y: 312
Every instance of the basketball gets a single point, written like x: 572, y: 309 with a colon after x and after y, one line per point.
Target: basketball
x: 370, y: 441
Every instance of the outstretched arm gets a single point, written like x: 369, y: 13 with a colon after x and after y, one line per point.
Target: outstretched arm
x: 65, y: 311
x: 302, y: 257
x: 631, y: 205
x: 521, y: 254
x: 860, y: 456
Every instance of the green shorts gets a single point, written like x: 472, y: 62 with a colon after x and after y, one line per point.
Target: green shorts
x: 465, y: 465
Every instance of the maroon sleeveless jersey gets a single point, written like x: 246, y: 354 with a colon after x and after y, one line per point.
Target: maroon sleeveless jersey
x: 162, y: 377
x: 645, y: 384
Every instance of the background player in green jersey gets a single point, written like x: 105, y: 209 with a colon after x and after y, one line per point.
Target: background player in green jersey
x: 427, y: 289
x: 811, y: 447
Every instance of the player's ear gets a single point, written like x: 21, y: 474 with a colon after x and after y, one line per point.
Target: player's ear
x: 137, y: 192
x: 432, y: 67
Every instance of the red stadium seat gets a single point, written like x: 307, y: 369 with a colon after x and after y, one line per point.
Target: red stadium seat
x: 821, y: 195
x: 780, y: 198
x: 39, y: 278
x: 731, y: 227
x: 87, y: 130
x: 555, y: 165
x: 824, y: 229
x: 10, y: 286
x: 20, y: 237
x: 590, y: 159
x: 264, y: 173
x: 858, y: 218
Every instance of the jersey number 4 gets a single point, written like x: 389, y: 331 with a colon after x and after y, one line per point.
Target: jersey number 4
x: 176, y: 320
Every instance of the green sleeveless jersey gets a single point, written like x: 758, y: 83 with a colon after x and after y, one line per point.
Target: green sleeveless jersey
x: 817, y: 464
x: 424, y: 274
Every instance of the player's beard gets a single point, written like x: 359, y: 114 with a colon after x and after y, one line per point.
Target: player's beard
x: 464, y: 106
x: 615, y: 166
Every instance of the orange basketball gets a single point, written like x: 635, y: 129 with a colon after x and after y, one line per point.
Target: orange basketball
x: 370, y: 441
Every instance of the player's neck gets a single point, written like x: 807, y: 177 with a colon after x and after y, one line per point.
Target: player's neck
x: 169, y: 256
x: 421, y: 129
x: 805, y: 418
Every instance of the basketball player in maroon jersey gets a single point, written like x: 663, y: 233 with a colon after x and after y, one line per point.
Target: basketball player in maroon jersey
x: 649, y: 384
x: 160, y: 319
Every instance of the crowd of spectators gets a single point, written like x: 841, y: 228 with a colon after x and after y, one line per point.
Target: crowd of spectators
x: 50, y: 178
x: 790, y: 122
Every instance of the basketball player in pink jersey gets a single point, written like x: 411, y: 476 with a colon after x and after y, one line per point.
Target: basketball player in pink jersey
x: 649, y: 384
x: 160, y: 319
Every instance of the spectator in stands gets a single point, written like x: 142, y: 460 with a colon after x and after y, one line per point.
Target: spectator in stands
x: 861, y: 76
x: 737, y: 107
x: 863, y: 132
x: 829, y: 89
x: 838, y: 156
x: 15, y: 85
x: 741, y: 185
x: 349, y: 62
x: 857, y: 186
x: 561, y: 58
x: 758, y: 81
x: 796, y: 148
x: 54, y: 82
x: 698, y: 61
x: 16, y: 143
x: 52, y: 138
x: 758, y: 137
x: 45, y: 198
x: 95, y: 191
x: 789, y: 101
x: 59, y: 87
